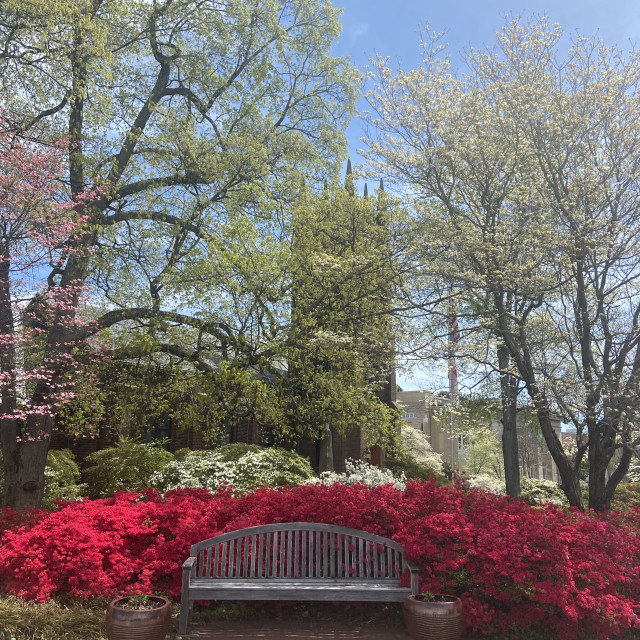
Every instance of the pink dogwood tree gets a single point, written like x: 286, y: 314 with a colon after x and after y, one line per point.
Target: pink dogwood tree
x: 41, y: 364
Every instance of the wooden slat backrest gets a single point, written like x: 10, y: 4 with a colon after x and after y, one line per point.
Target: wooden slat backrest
x: 298, y: 550
x: 261, y: 541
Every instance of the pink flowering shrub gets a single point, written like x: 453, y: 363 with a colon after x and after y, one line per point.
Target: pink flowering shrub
x: 516, y: 567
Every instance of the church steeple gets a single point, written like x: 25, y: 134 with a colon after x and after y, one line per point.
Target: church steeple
x: 366, y: 191
x: 348, y: 180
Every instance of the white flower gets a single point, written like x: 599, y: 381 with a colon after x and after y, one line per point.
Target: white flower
x: 359, y: 472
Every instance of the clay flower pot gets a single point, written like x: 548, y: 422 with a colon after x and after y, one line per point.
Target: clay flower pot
x: 439, y: 618
x: 148, y: 623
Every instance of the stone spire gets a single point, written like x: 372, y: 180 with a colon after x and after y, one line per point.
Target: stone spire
x: 348, y: 180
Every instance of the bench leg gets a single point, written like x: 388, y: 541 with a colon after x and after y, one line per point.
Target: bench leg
x: 185, y: 610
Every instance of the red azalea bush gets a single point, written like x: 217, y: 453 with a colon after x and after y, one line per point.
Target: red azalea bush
x: 12, y: 519
x: 513, y: 565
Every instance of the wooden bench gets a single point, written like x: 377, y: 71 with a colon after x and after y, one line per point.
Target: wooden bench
x: 295, y: 561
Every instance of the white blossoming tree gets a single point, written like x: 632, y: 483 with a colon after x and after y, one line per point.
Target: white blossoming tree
x: 525, y: 171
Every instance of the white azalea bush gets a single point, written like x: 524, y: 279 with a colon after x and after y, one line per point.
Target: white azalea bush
x: 254, y: 467
x: 360, y: 472
x: 487, y: 483
x: 535, y: 491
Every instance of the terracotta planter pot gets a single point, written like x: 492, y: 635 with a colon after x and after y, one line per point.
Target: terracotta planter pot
x: 440, y: 619
x: 138, y: 624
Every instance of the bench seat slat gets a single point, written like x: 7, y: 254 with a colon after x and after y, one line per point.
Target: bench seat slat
x: 338, y: 590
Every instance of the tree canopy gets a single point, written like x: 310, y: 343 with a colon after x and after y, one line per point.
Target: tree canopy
x: 525, y: 170
x: 192, y: 125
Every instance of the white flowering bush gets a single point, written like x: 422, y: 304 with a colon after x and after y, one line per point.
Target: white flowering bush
x: 535, y: 491
x: 487, y: 483
x: 420, y: 449
x: 414, y: 456
x: 359, y: 472
x: 633, y: 475
x: 256, y: 467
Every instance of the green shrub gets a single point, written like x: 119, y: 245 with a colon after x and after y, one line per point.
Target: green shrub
x: 626, y: 495
x: 246, y: 467
x: 129, y: 466
x: 233, y: 452
x: 61, y: 478
x: 412, y: 470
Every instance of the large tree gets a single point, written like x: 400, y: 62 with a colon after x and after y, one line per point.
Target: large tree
x: 527, y: 169
x: 193, y: 124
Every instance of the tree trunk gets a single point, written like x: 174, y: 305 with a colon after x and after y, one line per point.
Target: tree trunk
x: 509, y: 396
x: 519, y: 351
x: 23, y: 463
x: 618, y: 474
x: 601, y: 449
x: 597, y: 481
x: 569, y: 476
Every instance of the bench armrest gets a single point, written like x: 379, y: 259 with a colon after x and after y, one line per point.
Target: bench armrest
x: 188, y: 568
x: 415, y: 572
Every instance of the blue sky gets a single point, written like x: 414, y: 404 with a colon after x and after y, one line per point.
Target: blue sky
x: 392, y: 28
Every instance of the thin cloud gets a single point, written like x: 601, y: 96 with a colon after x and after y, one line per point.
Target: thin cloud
x: 361, y: 29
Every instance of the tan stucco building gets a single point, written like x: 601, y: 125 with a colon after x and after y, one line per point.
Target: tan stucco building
x: 419, y: 409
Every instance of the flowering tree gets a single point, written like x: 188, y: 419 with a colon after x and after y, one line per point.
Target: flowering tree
x: 198, y: 121
x: 527, y: 172
x: 40, y: 368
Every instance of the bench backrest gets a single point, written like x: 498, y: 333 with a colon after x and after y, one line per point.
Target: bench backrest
x: 298, y: 550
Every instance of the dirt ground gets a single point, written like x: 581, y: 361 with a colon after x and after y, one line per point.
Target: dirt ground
x: 308, y: 622
x: 294, y: 630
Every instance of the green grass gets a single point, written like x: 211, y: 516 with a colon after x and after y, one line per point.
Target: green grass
x: 53, y: 620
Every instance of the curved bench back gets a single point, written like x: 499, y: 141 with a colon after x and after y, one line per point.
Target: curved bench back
x: 298, y: 550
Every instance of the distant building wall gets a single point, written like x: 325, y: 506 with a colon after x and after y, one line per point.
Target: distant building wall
x: 419, y: 409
